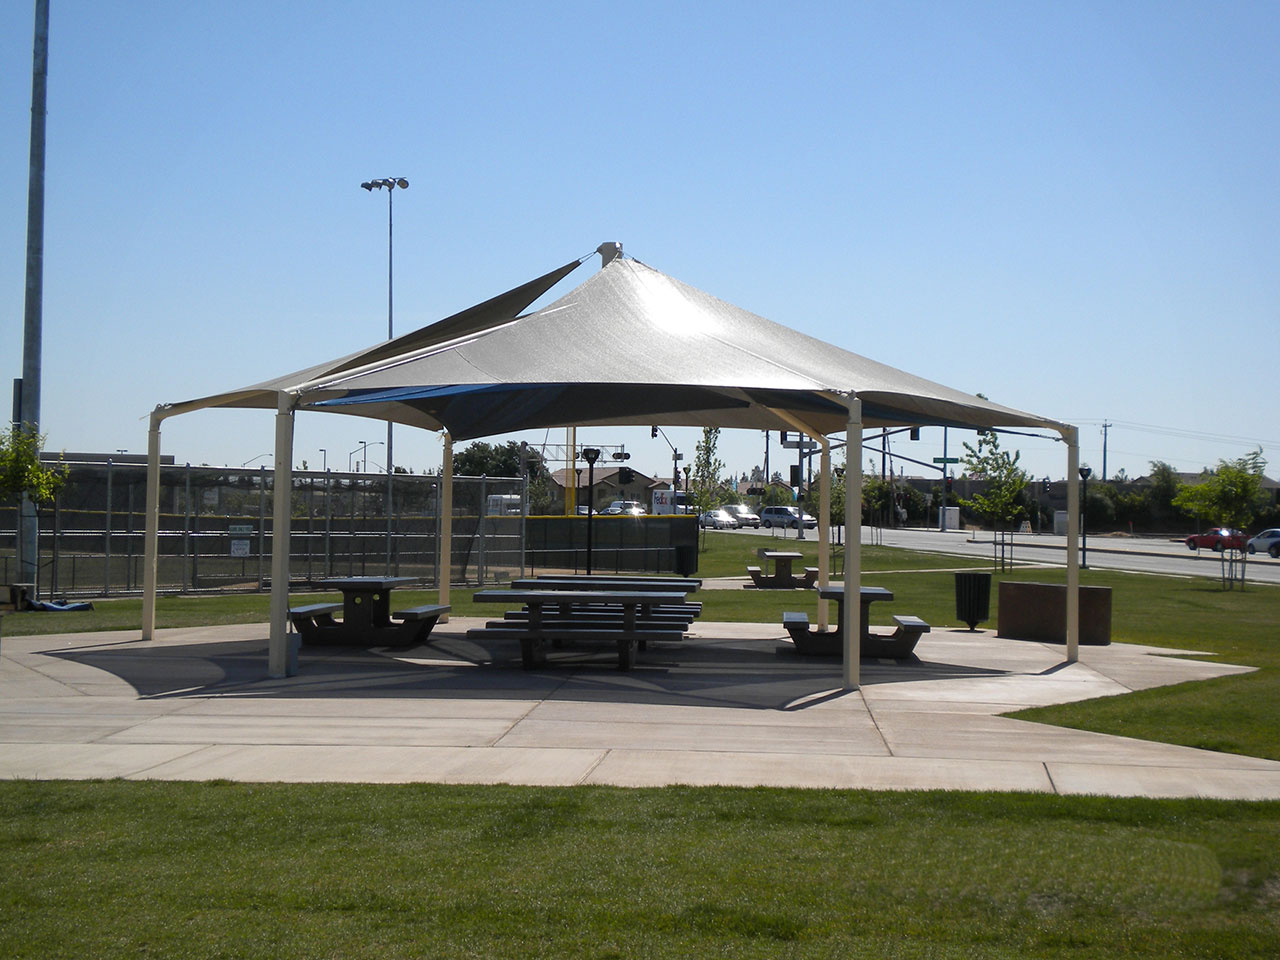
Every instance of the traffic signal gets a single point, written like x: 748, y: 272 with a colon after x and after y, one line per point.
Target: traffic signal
x: 796, y: 475
x: 626, y: 475
x: 784, y: 435
x: 948, y: 484
x: 1044, y: 484
x: 653, y: 433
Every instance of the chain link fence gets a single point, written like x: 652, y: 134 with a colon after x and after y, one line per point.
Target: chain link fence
x: 216, y: 529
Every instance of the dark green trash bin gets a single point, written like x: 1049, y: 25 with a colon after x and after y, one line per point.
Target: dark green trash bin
x: 973, y: 598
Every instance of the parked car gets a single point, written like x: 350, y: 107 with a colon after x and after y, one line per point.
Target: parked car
x: 1217, y: 538
x: 719, y: 518
x: 786, y: 517
x: 1268, y: 542
x: 631, y: 508
x: 745, y: 516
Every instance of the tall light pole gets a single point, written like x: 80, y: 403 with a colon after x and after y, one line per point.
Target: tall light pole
x: 390, y: 183
x: 27, y: 414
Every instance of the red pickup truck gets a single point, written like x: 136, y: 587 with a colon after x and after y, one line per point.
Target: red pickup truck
x: 1217, y: 538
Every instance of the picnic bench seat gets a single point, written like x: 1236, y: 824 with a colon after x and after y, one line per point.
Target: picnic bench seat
x: 895, y: 646
x: 416, y: 623
x: 810, y: 577
x: 533, y: 651
x: 899, y: 644
x: 313, y: 618
x: 758, y: 577
x: 810, y: 643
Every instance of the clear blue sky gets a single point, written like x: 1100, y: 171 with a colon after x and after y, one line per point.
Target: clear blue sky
x: 1073, y: 208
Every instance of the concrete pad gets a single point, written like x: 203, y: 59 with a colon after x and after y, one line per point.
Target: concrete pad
x: 327, y: 764
x: 82, y: 761
x: 313, y: 730
x: 1157, y: 781
x: 724, y: 706
x: 645, y: 768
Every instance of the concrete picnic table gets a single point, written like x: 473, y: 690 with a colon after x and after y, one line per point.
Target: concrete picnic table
x: 534, y: 633
x: 366, y: 615
x: 870, y: 595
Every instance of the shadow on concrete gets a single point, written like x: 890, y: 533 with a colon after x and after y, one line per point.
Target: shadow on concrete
x: 742, y: 673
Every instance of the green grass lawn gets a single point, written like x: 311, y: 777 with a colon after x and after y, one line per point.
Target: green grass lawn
x: 130, y: 869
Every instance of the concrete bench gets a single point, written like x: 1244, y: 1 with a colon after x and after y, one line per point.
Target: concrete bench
x: 416, y: 623
x: 899, y: 644
x: 533, y: 650
x: 810, y: 643
x: 313, y: 618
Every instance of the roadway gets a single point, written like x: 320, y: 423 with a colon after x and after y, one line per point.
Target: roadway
x: 1134, y: 554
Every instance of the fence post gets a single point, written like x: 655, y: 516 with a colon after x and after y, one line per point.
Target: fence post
x: 128, y: 540
x: 328, y: 524
x: 480, y: 512
x: 262, y: 524
x: 106, y: 541
x: 524, y: 513
x: 57, y: 530
x: 186, y: 530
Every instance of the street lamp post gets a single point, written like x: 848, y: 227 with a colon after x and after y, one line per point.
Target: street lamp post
x: 591, y: 455
x: 391, y: 183
x: 1085, y: 473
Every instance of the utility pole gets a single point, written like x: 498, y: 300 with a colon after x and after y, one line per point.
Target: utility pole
x: 1105, y: 427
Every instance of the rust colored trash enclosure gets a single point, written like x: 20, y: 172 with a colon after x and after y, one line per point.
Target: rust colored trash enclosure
x: 1038, y: 611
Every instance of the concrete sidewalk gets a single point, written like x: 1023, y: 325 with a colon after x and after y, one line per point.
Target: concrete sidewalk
x: 724, y: 707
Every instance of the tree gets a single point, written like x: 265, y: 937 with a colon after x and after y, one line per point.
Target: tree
x: 21, y: 471
x: 1001, y: 502
x: 1231, y: 495
x: 706, y: 470
x: 1162, y: 490
x: 480, y: 459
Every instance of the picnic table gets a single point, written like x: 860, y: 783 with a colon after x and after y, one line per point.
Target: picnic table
x: 555, y: 615
x: 367, y: 617
x: 782, y: 578
x: 594, y: 582
x: 831, y: 643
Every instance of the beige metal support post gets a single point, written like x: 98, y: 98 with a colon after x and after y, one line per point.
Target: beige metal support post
x: 444, y: 536
x: 151, y: 542
x: 824, y: 528
x: 1072, y: 436
x: 853, y: 547
x: 824, y: 507
x: 279, y: 661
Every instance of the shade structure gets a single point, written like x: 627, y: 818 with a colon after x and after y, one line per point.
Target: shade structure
x: 630, y: 345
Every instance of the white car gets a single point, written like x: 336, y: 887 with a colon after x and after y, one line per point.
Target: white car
x: 745, y: 516
x: 624, y: 508
x: 1268, y: 542
x: 720, y: 519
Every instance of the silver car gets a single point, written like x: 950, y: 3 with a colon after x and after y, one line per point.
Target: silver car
x: 719, y: 518
x: 1268, y: 542
x: 745, y: 516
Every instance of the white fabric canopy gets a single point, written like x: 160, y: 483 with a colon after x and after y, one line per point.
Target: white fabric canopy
x: 630, y: 345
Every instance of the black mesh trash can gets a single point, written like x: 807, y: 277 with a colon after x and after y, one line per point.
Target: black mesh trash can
x: 973, y: 598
